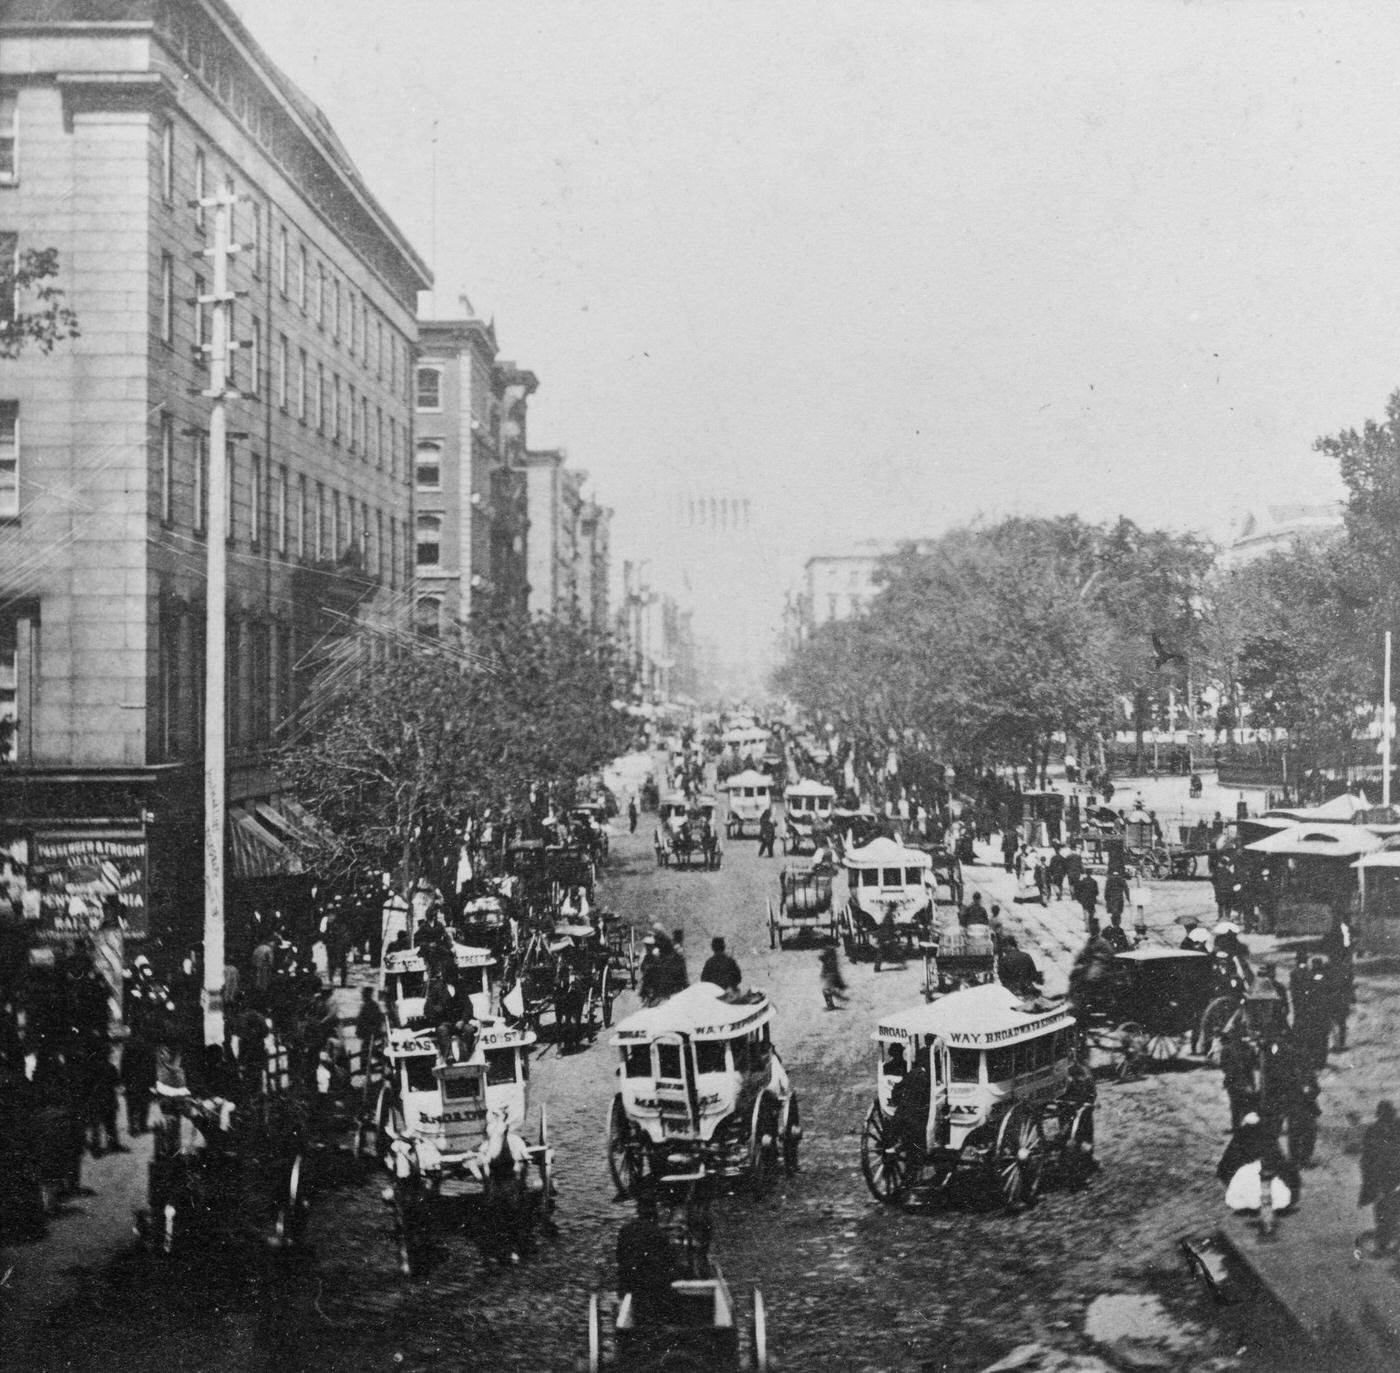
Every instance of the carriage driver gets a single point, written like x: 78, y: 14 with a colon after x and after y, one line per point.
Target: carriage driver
x: 911, y: 1098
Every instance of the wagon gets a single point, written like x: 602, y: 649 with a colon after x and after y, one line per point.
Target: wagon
x: 701, y: 1327
x: 1149, y: 1009
x: 750, y: 795
x: 698, y: 1077
x: 485, y: 923
x: 429, y: 1118
x: 808, y: 806
x: 890, y: 898
x: 958, y: 958
x: 804, y: 905
x: 991, y: 1102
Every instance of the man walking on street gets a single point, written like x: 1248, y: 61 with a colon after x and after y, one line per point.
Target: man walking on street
x: 767, y: 834
x: 720, y: 968
x: 1086, y: 892
x: 631, y: 815
x: 1380, y: 1174
x: 1056, y: 872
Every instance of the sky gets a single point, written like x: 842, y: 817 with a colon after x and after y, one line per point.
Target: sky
x: 885, y: 268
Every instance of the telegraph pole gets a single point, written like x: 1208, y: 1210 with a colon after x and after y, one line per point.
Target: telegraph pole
x: 220, y: 349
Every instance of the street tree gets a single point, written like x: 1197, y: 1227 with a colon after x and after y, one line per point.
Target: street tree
x: 32, y: 312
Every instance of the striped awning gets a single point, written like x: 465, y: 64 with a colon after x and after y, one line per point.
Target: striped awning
x: 254, y: 851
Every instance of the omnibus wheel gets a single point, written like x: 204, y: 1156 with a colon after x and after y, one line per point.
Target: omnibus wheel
x: 884, y: 1160
x: 1019, y: 1158
x: 290, y: 1223
x: 760, y: 1332
x: 792, y: 1135
x: 595, y: 1335
x: 1077, y: 1150
x: 623, y: 1161
x: 764, y: 1145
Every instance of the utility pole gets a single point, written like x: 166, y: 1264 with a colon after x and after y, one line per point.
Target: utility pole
x: 221, y: 347
x: 1387, y: 727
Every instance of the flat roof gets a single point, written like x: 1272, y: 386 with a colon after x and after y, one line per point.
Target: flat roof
x: 882, y: 852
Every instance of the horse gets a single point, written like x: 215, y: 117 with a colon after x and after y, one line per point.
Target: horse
x: 502, y: 1161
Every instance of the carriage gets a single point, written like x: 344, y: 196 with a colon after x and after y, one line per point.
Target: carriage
x: 805, y: 910
x: 808, y: 806
x: 702, y: 1327
x: 485, y: 923
x: 688, y: 835
x: 956, y: 958
x: 698, y: 1077
x: 945, y: 872
x: 1149, y: 1007
x: 569, y: 974
x: 750, y: 795
x: 855, y: 826
x: 890, y: 900
x: 991, y: 1101
x: 590, y: 820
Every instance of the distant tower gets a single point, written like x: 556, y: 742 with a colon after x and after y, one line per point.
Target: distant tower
x: 717, y: 553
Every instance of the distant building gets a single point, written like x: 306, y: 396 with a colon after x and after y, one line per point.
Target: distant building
x: 470, y: 512
x: 1274, y: 528
x: 838, y: 584
x: 116, y: 117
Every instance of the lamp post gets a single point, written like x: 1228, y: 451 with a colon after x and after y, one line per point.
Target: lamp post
x: 1261, y: 1013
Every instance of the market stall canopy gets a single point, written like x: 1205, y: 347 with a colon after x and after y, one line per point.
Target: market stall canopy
x: 885, y: 853
x: 1339, y: 808
x: 1319, y: 841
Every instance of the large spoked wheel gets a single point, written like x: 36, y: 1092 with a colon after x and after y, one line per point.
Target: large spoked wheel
x: 792, y: 1135
x: 1019, y: 1159
x: 624, y: 1150
x: 885, y: 1160
x: 764, y: 1146
x: 595, y: 1335
x: 1215, y: 1021
x: 1163, y: 1047
x: 293, y: 1207
x: 760, y: 1332
x: 1077, y: 1154
x: 1129, y: 1050
x: 546, y: 1173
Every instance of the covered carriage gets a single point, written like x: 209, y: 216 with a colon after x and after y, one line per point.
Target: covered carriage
x: 808, y: 807
x: 979, y: 1092
x: 956, y: 958
x: 890, y: 898
x: 805, y: 909
x: 750, y: 795
x: 698, y: 1077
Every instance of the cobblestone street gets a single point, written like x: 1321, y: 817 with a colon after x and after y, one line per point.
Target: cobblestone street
x: 849, y: 1284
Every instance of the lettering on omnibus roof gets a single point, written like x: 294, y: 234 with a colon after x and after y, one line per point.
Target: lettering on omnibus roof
x: 1001, y: 1036
x: 733, y: 1026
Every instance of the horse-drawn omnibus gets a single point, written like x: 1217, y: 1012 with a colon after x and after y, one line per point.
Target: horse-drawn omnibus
x: 698, y: 1075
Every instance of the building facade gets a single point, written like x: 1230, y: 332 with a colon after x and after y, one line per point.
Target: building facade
x: 124, y: 114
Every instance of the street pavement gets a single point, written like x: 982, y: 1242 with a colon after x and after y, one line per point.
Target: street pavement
x: 849, y: 1284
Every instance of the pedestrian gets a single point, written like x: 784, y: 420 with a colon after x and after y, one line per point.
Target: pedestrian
x: 720, y: 968
x: 1056, y: 872
x: 632, y: 814
x: 1086, y: 892
x: 1074, y: 869
x: 1042, y: 880
x: 1380, y: 1174
x: 1312, y: 1011
x: 1339, y: 947
x: 910, y: 1098
x: 369, y: 1026
x: 1251, y: 1152
x: 1237, y: 1066
x: 338, y: 941
x: 767, y: 834
x: 1116, y: 935
x: 1010, y: 842
x: 833, y: 984
x: 974, y: 913
x: 1115, y: 892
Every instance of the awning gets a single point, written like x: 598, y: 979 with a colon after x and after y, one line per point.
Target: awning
x: 302, y: 822
x: 253, y: 849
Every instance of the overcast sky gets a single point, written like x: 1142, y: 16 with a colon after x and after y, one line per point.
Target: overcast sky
x: 886, y: 267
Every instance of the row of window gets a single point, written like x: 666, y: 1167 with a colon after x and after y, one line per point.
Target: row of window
x: 306, y: 281
x: 296, y: 517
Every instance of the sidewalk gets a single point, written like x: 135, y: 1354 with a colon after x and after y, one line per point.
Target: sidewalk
x: 87, y: 1234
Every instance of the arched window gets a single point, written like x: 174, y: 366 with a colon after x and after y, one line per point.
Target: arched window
x: 427, y: 616
x: 429, y: 547
x: 429, y: 388
x: 427, y: 471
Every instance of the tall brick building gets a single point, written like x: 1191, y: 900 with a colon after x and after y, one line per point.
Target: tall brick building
x: 471, y: 521
x: 119, y: 114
